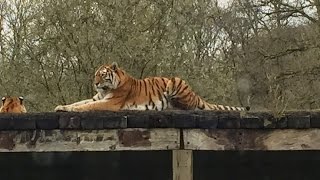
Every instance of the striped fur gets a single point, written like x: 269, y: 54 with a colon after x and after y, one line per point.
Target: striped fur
x: 182, y: 97
x: 117, y: 90
x: 12, y: 105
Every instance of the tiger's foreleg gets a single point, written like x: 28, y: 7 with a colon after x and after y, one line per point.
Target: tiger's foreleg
x: 81, y: 102
x: 60, y: 107
x: 96, y: 97
x: 100, y: 105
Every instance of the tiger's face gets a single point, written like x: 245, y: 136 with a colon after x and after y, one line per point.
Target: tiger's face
x: 12, y: 105
x: 106, y: 78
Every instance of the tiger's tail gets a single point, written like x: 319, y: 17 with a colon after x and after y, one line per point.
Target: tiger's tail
x: 208, y: 106
x: 183, y: 97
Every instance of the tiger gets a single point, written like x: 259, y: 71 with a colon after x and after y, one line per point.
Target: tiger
x: 12, y: 104
x: 118, y: 90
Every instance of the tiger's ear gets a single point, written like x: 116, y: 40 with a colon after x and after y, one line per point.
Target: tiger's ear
x: 114, y: 66
x: 21, y: 99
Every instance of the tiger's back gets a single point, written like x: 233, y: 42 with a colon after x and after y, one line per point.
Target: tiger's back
x: 12, y: 104
x: 146, y: 94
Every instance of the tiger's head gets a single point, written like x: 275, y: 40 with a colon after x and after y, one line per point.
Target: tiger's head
x: 12, y: 105
x: 108, y: 77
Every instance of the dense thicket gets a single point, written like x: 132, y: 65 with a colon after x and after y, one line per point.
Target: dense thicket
x: 262, y: 53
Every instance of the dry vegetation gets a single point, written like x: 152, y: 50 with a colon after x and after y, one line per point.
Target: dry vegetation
x: 266, y: 51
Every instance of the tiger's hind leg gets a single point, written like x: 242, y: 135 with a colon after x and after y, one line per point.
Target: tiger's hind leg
x: 181, y: 96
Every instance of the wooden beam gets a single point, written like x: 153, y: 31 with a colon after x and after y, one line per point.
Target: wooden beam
x: 89, y: 140
x: 98, y: 120
x: 159, y: 139
x: 252, y: 139
x: 182, y: 164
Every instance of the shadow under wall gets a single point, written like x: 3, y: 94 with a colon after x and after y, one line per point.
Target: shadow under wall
x: 157, y: 165
x: 125, y: 165
x: 256, y: 165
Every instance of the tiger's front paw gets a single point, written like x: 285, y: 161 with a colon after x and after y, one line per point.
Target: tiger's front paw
x: 63, y: 108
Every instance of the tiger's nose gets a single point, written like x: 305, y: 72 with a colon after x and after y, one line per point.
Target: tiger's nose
x: 96, y: 84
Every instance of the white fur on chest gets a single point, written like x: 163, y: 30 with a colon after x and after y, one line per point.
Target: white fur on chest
x: 108, y: 96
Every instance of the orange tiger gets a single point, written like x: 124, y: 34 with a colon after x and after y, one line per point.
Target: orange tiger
x: 120, y: 91
x: 12, y: 105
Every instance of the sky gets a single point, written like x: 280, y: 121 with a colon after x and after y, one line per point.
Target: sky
x: 223, y: 2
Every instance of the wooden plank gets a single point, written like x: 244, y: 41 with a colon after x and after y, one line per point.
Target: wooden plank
x: 47, y: 122
x: 315, y: 119
x: 182, y: 164
x: 92, y: 120
x: 251, y: 123
x: 159, y: 139
x: 268, y: 119
x: 97, y: 120
x: 229, y: 120
x: 90, y: 140
x: 299, y: 121
x: 252, y: 139
x: 162, y: 119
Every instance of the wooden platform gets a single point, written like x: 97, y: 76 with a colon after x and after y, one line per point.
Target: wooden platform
x: 178, y: 131
x: 167, y: 130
